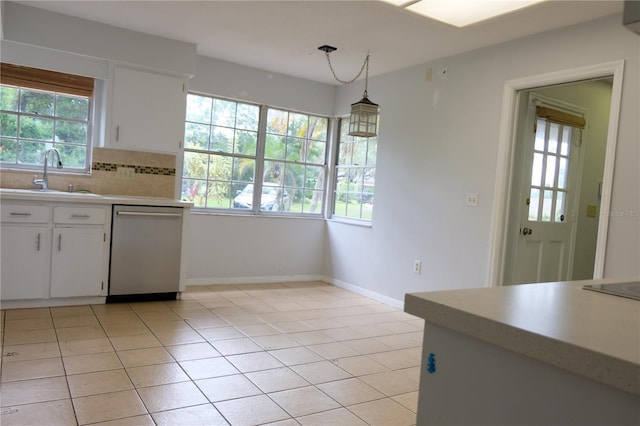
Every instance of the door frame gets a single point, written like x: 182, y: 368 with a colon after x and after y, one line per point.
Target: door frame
x: 506, y: 158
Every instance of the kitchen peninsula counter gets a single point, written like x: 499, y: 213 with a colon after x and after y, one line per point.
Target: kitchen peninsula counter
x: 584, y: 337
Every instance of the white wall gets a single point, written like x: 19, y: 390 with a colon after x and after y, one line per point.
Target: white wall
x: 439, y: 140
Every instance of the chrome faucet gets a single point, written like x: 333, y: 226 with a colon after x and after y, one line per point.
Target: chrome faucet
x: 44, y: 182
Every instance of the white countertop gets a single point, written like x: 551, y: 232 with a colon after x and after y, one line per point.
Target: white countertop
x: 88, y: 198
x: 588, y: 333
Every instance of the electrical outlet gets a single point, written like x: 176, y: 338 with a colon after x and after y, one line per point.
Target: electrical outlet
x: 125, y: 172
x: 417, y: 266
x: 472, y: 199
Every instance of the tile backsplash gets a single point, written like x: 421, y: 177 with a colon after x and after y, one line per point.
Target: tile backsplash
x: 149, y: 175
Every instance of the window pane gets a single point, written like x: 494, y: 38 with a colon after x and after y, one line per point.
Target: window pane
x: 218, y: 194
x: 541, y: 129
x: 559, y: 213
x: 194, y: 190
x: 247, y: 117
x: 314, y: 177
x: 318, y: 128
x: 220, y: 167
x: 563, y: 173
x: 346, y: 151
x: 547, y: 202
x: 73, y: 156
x: 550, y: 175
x: 9, y: 98
x: 554, y: 133
x: 8, y: 150
x: 246, y: 142
x: 31, y: 153
x: 277, y: 121
x: 294, y: 175
x: 536, y: 169
x: 566, y: 140
x: 196, y: 165
x: 298, y: 124
x: 360, y: 152
x: 315, y: 152
x: 372, y: 151
x: 8, y: 125
x: 199, y: 108
x: 71, y: 132
x: 72, y: 107
x: 222, y: 140
x: 196, y: 136
x: 272, y: 172
x: 243, y: 169
x: 534, y: 204
x: 312, y: 202
x: 275, y: 198
x: 274, y: 147
x: 36, y: 128
x: 224, y: 113
x: 294, y: 149
x: 35, y: 102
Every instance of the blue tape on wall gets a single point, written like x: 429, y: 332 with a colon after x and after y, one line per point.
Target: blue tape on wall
x: 431, y: 363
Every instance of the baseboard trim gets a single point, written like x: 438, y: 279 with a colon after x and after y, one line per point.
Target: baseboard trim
x: 367, y: 293
x: 298, y: 278
x: 255, y: 280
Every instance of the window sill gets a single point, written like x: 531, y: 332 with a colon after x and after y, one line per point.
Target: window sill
x: 354, y: 222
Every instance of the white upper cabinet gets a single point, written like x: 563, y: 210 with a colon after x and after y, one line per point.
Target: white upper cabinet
x: 147, y: 111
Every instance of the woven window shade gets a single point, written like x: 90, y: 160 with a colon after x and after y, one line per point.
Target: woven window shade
x: 52, y: 81
x: 561, y: 117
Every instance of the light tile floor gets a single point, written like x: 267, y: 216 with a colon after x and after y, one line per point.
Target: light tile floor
x: 285, y: 354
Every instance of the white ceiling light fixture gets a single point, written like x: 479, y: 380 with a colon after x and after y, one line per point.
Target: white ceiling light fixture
x: 461, y: 13
x: 363, y: 121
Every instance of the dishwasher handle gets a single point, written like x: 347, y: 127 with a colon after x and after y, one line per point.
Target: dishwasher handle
x: 128, y: 213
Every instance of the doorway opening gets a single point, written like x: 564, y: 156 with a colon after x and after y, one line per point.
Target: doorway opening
x: 554, y: 179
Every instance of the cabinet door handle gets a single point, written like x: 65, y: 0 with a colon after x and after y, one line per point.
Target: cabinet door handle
x: 59, y: 242
x: 19, y: 214
x: 117, y: 133
x: 38, y: 242
x: 80, y: 216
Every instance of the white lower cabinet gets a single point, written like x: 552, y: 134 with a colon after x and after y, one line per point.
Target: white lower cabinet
x: 77, y: 262
x: 25, y: 259
x: 53, y: 251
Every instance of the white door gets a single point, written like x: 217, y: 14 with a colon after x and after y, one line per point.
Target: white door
x: 543, y: 250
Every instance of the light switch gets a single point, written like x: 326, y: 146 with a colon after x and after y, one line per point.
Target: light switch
x: 592, y: 210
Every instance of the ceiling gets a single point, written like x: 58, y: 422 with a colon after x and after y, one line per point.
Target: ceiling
x: 283, y: 36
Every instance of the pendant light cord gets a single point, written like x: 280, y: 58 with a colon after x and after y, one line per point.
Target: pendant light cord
x: 365, y: 65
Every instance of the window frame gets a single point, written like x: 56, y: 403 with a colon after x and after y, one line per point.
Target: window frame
x: 54, y: 84
x: 260, y: 160
x: 337, y: 167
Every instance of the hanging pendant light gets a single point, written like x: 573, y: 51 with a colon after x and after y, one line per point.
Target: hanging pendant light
x: 363, y: 121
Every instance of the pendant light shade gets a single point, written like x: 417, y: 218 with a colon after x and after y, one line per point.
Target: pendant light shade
x: 363, y: 121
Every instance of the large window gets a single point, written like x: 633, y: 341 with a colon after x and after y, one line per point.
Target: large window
x: 236, y: 160
x: 355, y: 175
x: 40, y: 110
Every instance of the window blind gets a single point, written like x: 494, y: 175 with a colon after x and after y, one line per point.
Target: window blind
x: 52, y: 81
x: 561, y: 117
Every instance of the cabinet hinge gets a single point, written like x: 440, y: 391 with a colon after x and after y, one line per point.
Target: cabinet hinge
x: 535, y: 127
x: 102, y: 286
x: 104, y: 237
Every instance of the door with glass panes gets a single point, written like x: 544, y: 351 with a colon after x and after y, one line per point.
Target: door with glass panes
x: 547, y: 202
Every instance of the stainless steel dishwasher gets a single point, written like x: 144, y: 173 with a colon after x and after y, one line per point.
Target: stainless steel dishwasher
x: 146, y: 244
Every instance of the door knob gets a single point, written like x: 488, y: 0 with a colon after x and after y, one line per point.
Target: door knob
x: 526, y: 231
